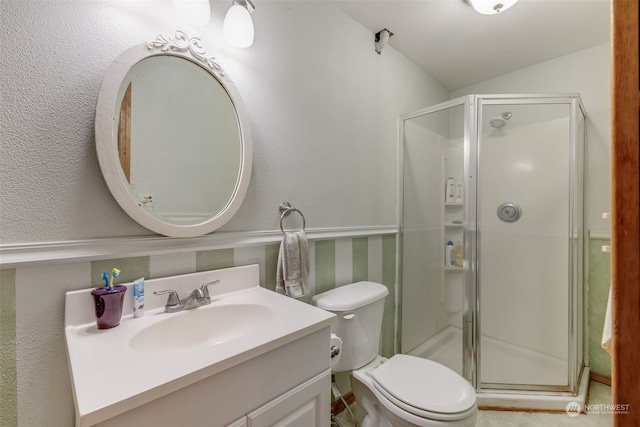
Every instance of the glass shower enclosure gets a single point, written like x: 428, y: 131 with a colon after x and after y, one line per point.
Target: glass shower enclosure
x: 491, y: 241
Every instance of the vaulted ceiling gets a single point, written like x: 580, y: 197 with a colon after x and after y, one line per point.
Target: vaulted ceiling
x: 458, y: 46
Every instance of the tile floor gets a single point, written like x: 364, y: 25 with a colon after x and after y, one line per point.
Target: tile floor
x: 599, y: 394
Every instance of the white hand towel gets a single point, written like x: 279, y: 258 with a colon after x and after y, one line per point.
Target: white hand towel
x: 292, y: 273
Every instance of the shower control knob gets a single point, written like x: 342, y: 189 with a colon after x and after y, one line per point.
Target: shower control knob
x: 509, y: 212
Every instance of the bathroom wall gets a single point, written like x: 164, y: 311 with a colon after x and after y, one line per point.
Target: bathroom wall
x: 599, y: 282
x: 323, y: 108
x: 294, y: 80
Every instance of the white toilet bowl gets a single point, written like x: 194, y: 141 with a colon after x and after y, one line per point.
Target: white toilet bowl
x: 404, y: 391
x: 407, y: 391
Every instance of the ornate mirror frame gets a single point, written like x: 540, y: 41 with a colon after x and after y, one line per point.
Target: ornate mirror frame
x: 107, y: 114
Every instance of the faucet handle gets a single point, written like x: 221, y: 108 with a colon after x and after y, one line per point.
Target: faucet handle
x: 205, y: 287
x: 174, y: 298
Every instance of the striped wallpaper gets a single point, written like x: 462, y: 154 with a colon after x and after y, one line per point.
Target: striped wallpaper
x: 33, y: 354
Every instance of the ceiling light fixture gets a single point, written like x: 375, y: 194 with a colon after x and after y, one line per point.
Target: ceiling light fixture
x: 238, y: 25
x: 491, y: 7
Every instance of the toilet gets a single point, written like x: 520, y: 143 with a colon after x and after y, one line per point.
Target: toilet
x: 404, y: 390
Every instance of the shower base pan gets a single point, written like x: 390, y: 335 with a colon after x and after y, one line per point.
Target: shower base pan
x: 507, y: 363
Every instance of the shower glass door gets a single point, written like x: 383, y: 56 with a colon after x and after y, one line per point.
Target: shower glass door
x: 433, y: 191
x: 491, y: 240
x: 526, y: 243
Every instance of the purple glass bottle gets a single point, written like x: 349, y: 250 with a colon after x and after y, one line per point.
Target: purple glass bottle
x: 108, y: 305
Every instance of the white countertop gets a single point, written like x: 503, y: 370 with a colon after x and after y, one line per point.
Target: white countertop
x: 109, y: 377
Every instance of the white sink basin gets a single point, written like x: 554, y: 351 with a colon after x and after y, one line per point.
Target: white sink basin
x: 143, y: 359
x: 201, y: 327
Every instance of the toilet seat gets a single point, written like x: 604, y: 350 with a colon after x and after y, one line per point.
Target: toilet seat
x: 424, y: 388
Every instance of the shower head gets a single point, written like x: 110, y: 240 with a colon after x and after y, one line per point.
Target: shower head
x: 500, y: 122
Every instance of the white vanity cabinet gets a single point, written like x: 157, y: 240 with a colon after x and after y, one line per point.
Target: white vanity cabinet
x: 289, y: 385
x: 304, y: 406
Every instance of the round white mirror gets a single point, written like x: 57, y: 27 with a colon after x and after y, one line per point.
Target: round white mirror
x: 173, y: 138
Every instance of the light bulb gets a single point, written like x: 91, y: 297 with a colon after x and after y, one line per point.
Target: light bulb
x: 491, y: 7
x: 238, y: 26
x: 193, y: 12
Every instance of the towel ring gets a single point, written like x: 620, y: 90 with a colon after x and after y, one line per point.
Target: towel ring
x: 286, y: 209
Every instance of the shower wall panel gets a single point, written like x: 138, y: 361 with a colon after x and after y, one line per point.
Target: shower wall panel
x: 523, y: 264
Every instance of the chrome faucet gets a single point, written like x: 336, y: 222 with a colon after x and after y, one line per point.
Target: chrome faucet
x: 198, y: 297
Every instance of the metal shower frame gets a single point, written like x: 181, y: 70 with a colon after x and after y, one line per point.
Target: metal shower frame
x: 472, y: 105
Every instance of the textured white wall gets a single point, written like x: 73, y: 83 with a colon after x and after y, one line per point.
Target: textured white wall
x: 588, y: 73
x: 322, y: 105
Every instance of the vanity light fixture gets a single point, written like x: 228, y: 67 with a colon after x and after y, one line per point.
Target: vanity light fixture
x: 238, y: 25
x: 193, y: 12
x: 491, y: 7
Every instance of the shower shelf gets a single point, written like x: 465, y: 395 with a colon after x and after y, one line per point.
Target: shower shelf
x: 453, y: 204
x: 452, y: 225
x: 453, y: 269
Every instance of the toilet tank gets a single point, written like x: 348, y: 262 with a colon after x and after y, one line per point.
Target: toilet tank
x: 359, y: 308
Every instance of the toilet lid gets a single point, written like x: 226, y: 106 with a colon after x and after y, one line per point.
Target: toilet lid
x: 424, y: 385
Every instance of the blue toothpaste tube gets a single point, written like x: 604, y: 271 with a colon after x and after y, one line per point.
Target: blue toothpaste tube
x: 138, y: 297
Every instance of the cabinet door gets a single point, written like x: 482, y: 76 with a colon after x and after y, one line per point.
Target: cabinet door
x: 307, y: 405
